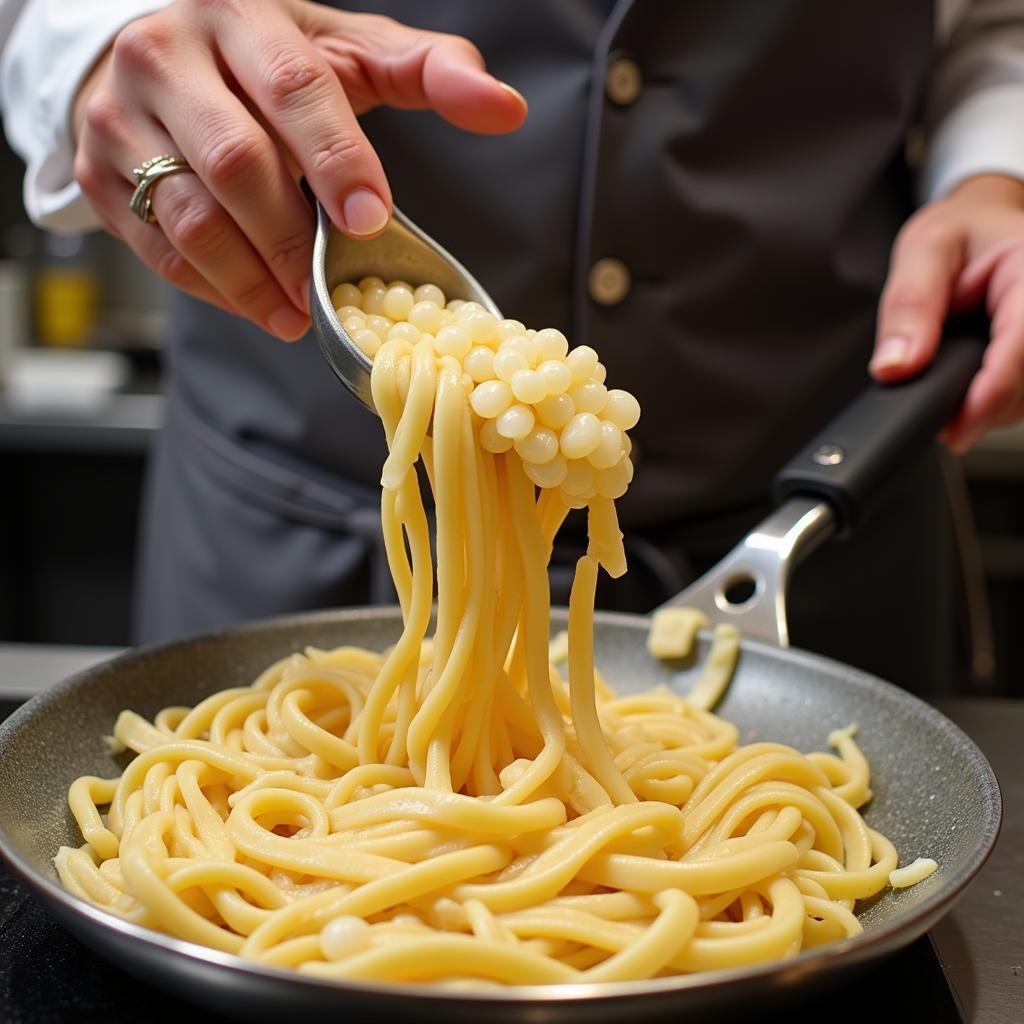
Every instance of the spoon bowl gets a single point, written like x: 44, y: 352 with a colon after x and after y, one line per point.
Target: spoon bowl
x: 402, y: 251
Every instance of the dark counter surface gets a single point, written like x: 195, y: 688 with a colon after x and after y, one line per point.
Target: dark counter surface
x: 47, y: 976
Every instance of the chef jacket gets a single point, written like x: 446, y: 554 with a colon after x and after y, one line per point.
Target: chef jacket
x: 706, y: 193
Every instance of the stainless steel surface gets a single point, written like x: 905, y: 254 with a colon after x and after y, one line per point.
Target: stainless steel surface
x: 125, y: 424
x: 403, y: 252
x: 981, y: 943
x: 934, y: 795
x: 27, y: 669
x: 763, y: 561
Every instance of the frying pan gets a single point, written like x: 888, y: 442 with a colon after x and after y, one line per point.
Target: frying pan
x: 934, y: 793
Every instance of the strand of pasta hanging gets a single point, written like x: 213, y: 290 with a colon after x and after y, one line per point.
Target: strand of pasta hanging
x: 453, y: 810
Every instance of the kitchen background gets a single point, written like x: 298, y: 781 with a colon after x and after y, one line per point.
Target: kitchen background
x: 82, y: 325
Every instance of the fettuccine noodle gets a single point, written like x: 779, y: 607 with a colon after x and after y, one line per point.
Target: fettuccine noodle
x: 455, y: 809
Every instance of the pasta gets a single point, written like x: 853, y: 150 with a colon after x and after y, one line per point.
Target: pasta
x: 455, y: 810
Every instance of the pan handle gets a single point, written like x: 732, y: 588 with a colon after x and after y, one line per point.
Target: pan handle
x: 880, y: 433
x: 831, y: 484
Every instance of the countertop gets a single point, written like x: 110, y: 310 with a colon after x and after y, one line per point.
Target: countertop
x: 46, y: 976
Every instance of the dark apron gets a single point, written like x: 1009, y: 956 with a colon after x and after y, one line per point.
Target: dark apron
x: 753, y: 189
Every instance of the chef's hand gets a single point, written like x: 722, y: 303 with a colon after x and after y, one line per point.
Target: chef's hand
x: 951, y: 255
x: 252, y: 93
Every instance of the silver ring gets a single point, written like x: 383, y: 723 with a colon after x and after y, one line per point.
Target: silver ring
x: 146, y: 177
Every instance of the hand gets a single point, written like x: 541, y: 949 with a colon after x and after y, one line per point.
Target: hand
x: 949, y: 256
x: 253, y: 93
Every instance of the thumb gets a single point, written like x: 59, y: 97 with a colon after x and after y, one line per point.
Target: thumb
x: 926, y: 260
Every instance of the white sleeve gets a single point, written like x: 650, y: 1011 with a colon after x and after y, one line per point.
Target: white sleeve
x: 974, y: 111
x: 49, y: 46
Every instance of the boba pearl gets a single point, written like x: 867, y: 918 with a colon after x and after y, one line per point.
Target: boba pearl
x: 579, y: 477
x: 426, y: 316
x: 589, y: 397
x: 481, y: 327
x: 353, y: 324
x: 555, y: 411
x: 344, y: 936
x: 453, y: 341
x: 527, y: 386
x: 612, y: 483
x: 580, y: 436
x: 344, y: 312
x: 405, y: 331
x: 479, y: 363
x: 454, y: 305
x: 600, y: 373
x: 524, y: 345
x: 609, y: 449
x: 398, y: 301
x: 372, y: 281
x: 582, y: 362
x: 546, y: 474
x: 510, y: 329
x: 555, y: 376
x: 508, y: 362
x: 373, y: 300
x: 552, y: 344
x: 622, y: 409
x: 491, y: 398
x: 367, y: 340
x: 429, y: 293
x: 346, y: 295
x: 380, y: 325
x: 540, y: 445
x: 492, y: 440
x: 516, y: 422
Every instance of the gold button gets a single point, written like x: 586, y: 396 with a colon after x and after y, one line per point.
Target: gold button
x: 623, y: 81
x: 609, y: 281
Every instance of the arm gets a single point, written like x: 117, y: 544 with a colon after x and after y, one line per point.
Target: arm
x: 250, y: 92
x: 966, y: 244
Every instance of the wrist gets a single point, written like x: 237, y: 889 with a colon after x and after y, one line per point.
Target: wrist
x: 992, y: 188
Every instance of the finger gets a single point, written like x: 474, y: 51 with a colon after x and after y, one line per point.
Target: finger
x: 997, y: 388
x: 459, y: 88
x: 244, y: 171
x: 204, y: 233
x: 926, y: 259
x: 119, y: 134
x: 303, y: 101
x: 109, y: 196
x: 415, y: 70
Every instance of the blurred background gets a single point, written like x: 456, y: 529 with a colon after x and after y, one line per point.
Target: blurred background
x: 82, y: 326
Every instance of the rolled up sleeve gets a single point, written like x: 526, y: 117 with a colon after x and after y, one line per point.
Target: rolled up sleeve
x: 974, y: 111
x: 49, y: 46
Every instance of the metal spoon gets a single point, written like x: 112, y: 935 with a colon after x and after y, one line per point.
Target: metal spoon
x: 405, y: 252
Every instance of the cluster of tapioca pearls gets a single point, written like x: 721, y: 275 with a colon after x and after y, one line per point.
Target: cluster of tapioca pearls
x: 529, y: 390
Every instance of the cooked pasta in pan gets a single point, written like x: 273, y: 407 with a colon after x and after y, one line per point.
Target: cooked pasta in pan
x: 456, y: 809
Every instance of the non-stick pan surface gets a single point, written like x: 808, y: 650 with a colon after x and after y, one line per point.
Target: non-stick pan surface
x: 935, y: 796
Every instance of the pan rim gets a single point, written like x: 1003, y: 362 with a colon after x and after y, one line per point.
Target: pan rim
x: 847, y: 952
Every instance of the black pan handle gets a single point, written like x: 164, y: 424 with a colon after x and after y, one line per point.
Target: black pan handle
x: 883, y: 430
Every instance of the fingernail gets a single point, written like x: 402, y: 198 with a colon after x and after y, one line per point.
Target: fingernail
x: 965, y: 442
x: 890, y: 352
x: 364, y: 212
x: 514, y: 91
x: 288, y: 323
x: 305, y: 298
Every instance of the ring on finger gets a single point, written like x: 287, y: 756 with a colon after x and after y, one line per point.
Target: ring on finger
x: 146, y: 177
